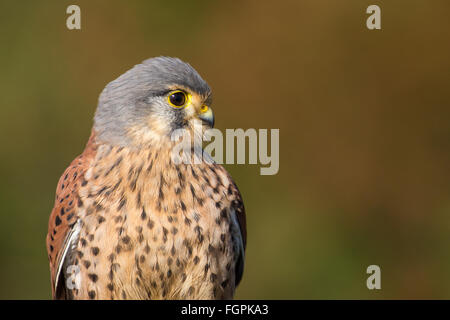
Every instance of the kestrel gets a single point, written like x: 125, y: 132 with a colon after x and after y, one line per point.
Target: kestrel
x: 129, y: 222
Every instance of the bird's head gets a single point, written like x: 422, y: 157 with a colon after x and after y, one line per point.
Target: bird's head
x: 147, y: 103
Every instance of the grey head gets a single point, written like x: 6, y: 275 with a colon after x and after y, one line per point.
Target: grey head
x: 136, y: 109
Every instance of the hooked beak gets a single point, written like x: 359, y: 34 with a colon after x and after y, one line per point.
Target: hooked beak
x: 206, y: 115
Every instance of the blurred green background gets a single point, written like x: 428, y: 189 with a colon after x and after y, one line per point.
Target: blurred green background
x: 364, y: 131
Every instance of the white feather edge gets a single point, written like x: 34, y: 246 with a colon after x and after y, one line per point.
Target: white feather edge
x: 69, y: 243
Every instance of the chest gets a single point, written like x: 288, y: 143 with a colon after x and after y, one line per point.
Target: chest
x: 151, y: 230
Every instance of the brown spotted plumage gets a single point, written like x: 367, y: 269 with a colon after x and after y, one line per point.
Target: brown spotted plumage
x: 66, y: 210
x: 131, y: 223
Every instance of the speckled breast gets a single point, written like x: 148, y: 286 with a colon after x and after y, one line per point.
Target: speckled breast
x: 150, y: 229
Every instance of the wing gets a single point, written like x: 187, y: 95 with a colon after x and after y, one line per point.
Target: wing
x: 62, y: 230
x: 239, y: 219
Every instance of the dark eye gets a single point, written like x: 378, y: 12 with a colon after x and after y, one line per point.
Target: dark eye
x: 177, y: 98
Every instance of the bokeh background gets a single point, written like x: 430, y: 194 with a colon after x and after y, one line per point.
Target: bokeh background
x: 364, y: 131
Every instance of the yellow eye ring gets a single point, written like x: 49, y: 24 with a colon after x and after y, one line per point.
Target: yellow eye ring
x: 178, y: 99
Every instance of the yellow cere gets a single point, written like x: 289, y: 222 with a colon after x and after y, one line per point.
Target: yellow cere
x: 204, y: 108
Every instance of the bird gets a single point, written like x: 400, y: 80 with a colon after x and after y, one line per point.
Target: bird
x: 128, y: 221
